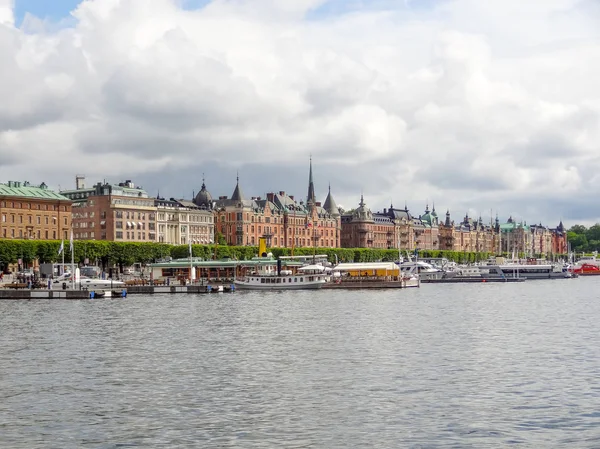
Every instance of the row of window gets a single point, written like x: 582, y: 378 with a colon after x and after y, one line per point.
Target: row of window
x: 38, y: 219
x: 130, y: 235
x: 24, y: 234
x: 37, y: 206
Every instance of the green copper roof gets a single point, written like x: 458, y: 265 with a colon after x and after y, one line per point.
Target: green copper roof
x: 25, y: 190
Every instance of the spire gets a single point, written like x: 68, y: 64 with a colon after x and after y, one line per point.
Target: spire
x: 237, y: 193
x: 447, y: 222
x: 427, y: 207
x: 330, y: 206
x: 362, y: 200
x: 310, y: 199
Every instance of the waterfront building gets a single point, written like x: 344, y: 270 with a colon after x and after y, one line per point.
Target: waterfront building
x: 115, y: 212
x: 278, y: 218
x: 559, y: 239
x: 33, y: 212
x: 392, y: 228
x: 468, y: 235
x: 179, y: 222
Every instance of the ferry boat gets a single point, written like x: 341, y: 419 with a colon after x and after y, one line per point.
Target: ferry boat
x: 371, y: 275
x: 527, y: 271
x: 267, y: 274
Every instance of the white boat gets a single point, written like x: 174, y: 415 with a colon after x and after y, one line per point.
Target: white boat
x: 86, y: 283
x: 527, y: 271
x: 268, y: 275
x: 424, y: 270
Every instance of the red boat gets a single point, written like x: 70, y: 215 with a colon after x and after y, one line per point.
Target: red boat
x: 586, y: 269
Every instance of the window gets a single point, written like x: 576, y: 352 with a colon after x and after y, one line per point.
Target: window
x: 119, y: 234
x: 66, y: 221
x: 46, y: 235
x: 4, y: 233
x: 20, y: 218
x: 46, y: 220
x: 39, y: 219
x: 3, y: 218
x: 30, y: 219
x: 119, y: 225
x: 12, y: 232
x: 53, y: 235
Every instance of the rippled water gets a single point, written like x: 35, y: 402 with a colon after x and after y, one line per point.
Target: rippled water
x: 475, y: 365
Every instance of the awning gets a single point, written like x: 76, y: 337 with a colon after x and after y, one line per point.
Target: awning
x: 103, y: 222
x: 312, y: 268
x: 140, y: 223
x: 129, y: 224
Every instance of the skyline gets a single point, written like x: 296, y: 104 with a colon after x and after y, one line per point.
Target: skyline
x: 453, y: 102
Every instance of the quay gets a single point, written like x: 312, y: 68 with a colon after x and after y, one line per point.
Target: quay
x: 45, y: 294
x: 152, y: 289
x: 470, y: 280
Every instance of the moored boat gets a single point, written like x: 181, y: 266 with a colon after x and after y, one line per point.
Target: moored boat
x: 267, y: 274
x: 371, y: 275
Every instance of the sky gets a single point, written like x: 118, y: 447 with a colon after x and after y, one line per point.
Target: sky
x: 479, y: 107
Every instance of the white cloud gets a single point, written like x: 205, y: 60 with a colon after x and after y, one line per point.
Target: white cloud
x: 6, y: 12
x: 475, y: 105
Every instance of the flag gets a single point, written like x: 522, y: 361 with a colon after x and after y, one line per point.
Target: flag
x: 308, y: 225
x: 71, y: 242
x: 190, y: 246
x: 61, y: 248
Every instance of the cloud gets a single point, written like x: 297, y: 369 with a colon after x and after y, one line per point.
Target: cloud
x: 474, y: 105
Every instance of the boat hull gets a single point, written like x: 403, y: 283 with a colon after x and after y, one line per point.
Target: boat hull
x: 371, y: 284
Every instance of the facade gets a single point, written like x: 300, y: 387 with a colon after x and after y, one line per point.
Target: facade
x: 392, y: 228
x: 279, y: 218
x: 179, y: 222
x: 33, y: 212
x: 468, y: 236
x: 114, y: 212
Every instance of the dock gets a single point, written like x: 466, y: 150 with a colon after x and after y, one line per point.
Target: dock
x: 195, y: 289
x: 43, y: 294
x: 470, y: 280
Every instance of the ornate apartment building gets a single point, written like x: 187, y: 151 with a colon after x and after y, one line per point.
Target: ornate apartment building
x: 180, y: 221
x: 33, y: 212
x: 279, y: 218
x: 469, y: 235
x: 510, y: 237
x: 392, y: 228
x: 115, y: 212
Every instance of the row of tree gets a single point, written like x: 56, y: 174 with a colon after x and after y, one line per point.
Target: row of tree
x: 584, y: 239
x: 123, y: 254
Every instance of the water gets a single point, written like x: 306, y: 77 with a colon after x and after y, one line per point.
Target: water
x: 465, y: 366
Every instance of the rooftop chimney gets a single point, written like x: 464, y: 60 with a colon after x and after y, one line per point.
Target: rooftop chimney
x: 80, y: 182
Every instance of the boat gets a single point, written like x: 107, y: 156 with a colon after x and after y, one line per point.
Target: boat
x: 371, y: 275
x: 585, y: 269
x: 527, y: 271
x: 106, y: 286
x: 424, y: 270
x: 471, y: 274
x: 267, y: 274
